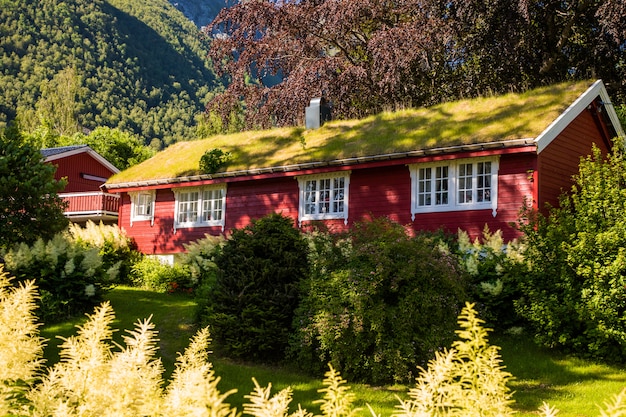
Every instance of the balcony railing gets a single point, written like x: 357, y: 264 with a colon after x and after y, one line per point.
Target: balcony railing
x: 94, y: 206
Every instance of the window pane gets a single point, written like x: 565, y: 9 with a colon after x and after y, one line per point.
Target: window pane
x: 212, y: 201
x: 324, y: 196
x: 483, y: 188
x: 143, y: 206
x: 441, y: 185
x: 424, y: 187
x: 464, y: 182
x: 188, y: 207
x: 310, y: 197
x: 338, y: 195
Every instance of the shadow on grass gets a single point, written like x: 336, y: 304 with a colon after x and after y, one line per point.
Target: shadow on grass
x: 542, y: 375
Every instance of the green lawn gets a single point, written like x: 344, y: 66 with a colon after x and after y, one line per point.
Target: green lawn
x: 575, y: 386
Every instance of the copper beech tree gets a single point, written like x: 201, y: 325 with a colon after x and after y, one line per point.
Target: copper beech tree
x: 365, y: 56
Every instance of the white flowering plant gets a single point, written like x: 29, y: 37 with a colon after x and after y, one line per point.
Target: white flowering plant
x: 492, y: 266
x: 116, y: 249
x: 71, y: 277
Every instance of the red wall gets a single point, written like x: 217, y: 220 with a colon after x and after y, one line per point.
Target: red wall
x: 380, y: 191
x: 559, y: 161
x: 74, y: 165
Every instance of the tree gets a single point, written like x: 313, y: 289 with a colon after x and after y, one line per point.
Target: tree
x: 30, y: 207
x: 250, y: 306
x: 575, y: 291
x: 58, y: 106
x: 121, y: 148
x: 366, y: 55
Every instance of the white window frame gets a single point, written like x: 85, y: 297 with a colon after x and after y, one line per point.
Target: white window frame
x: 201, y: 206
x: 325, y: 192
x: 428, y: 195
x: 148, y: 196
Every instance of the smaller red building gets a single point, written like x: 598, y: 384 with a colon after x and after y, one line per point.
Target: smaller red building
x: 456, y: 165
x: 85, y: 171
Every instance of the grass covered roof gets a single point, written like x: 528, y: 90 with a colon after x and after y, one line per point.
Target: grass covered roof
x: 480, y: 120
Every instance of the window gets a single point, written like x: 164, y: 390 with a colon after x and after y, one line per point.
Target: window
x: 197, y: 207
x: 324, y: 196
x: 142, y: 206
x: 467, y: 184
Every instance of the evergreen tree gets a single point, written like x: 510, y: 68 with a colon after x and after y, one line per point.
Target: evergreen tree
x: 29, y: 204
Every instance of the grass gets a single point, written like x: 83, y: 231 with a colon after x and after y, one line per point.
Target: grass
x: 481, y: 120
x: 575, y: 386
x: 172, y: 315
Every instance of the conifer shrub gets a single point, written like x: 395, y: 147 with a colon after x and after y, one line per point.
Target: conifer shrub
x: 378, y: 303
x: 71, y: 278
x: 250, y: 307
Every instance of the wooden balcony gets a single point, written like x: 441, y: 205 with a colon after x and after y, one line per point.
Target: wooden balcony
x: 95, y: 206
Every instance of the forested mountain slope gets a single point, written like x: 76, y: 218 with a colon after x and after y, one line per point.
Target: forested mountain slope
x: 201, y: 12
x: 139, y: 65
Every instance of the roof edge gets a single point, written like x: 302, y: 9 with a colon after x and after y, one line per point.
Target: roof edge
x: 585, y: 99
x: 90, y: 151
x: 323, y: 164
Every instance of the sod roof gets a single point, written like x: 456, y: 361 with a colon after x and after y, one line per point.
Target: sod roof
x: 482, y: 120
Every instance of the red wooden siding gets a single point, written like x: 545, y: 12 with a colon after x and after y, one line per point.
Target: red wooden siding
x: 559, y: 161
x: 71, y: 167
x: 374, y: 192
x: 95, y: 202
x: 254, y: 199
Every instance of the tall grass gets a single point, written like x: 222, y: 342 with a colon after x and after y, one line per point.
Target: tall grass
x: 574, y: 386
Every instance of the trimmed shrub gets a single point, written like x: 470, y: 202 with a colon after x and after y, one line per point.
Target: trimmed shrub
x: 71, y: 278
x: 251, y: 306
x: 378, y: 302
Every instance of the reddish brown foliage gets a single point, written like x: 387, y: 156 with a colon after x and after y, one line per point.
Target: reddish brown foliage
x: 370, y: 55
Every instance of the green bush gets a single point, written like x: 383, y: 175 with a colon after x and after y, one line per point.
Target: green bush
x: 214, y: 159
x: 575, y: 291
x: 200, y: 260
x: 71, y: 278
x: 250, y: 308
x: 378, y: 302
x: 152, y: 274
x: 494, y: 269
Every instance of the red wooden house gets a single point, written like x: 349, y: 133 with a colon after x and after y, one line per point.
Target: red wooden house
x: 456, y: 165
x: 85, y: 171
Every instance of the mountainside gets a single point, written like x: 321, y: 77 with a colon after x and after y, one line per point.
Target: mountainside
x: 139, y: 65
x: 200, y: 12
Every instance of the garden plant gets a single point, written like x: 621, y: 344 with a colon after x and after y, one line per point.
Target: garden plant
x: 95, y: 379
